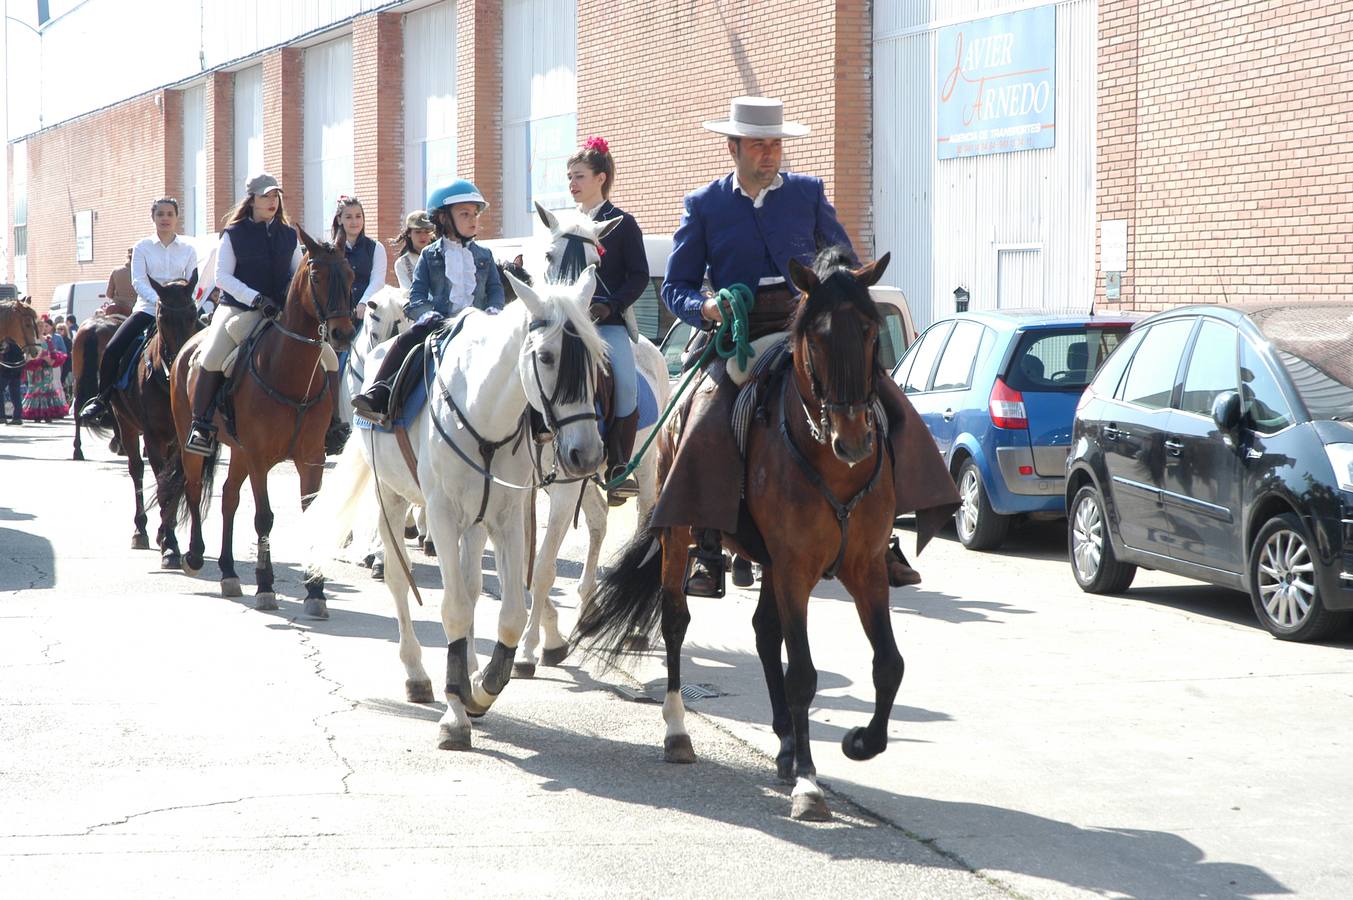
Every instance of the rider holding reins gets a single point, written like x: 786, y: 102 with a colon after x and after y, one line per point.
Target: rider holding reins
x: 744, y: 228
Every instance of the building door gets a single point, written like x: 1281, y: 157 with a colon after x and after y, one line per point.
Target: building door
x: 1019, y: 278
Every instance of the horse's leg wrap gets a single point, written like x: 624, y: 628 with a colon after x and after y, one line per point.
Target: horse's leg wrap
x: 499, y: 670
x: 458, y: 671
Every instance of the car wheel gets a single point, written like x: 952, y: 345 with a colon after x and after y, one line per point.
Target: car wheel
x: 1093, y: 562
x: 979, y: 526
x: 1283, y: 586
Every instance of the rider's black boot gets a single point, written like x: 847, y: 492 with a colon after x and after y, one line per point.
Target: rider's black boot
x: 373, y: 403
x: 619, y: 449
x: 202, y: 436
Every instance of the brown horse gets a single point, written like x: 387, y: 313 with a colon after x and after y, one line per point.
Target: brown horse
x: 87, y: 346
x: 19, y: 323
x: 143, y: 408
x: 819, y: 504
x: 282, y: 403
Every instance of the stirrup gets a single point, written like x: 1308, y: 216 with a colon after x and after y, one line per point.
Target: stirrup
x: 705, y: 572
x: 201, y: 439
x: 95, y: 408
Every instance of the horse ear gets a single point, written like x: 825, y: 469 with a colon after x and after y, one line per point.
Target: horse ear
x: 870, y: 274
x: 311, y: 247
x: 547, y: 217
x: 527, y: 296
x: 518, y: 262
x: 587, y: 285
x: 192, y: 283
x: 608, y: 226
x: 159, y: 288
x: 804, y: 278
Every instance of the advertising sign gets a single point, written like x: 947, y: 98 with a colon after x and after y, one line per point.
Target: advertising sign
x: 84, y: 236
x: 997, y: 83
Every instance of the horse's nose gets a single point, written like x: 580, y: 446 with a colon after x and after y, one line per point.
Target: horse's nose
x: 575, y: 459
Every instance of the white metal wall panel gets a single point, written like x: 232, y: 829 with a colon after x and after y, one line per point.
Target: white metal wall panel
x: 248, y: 126
x: 193, y: 204
x: 429, y: 101
x: 20, y: 201
x: 945, y: 221
x: 327, y: 156
x: 540, y: 100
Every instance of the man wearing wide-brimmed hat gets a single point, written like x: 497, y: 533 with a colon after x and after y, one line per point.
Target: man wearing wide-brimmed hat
x: 744, y: 228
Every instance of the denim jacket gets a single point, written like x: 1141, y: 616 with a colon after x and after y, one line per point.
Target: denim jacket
x: 431, y: 292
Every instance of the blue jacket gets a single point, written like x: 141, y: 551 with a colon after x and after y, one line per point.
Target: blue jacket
x: 360, y: 257
x: 622, y: 273
x: 431, y: 292
x: 721, y: 231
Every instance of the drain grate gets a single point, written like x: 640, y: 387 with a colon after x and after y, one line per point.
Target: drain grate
x: 656, y: 691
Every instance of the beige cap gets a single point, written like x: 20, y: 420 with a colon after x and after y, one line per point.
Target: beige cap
x: 262, y: 184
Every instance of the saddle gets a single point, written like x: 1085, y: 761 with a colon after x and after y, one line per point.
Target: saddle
x: 126, y: 367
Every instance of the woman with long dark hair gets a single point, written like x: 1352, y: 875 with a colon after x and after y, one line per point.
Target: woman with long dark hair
x: 258, y: 254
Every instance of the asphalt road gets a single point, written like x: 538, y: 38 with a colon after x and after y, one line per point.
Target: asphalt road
x: 159, y: 740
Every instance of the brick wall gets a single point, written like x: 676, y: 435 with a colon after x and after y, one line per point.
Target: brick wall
x: 650, y: 71
x: 479, y: 101
x: 114, y: 162
x: 378, y: 125
x: 219, y: 134
x: 283, y: 121
x: 1223, y: 139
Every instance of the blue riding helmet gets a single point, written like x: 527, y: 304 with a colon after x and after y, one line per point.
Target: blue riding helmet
x: 458, y: 191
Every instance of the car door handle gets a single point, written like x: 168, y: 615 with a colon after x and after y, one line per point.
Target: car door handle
x: 1174, y: 448
x: 1115, y: 434
x: 948, y: 415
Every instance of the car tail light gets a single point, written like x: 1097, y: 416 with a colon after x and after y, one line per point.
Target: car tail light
x: 1026, y: 470
x: 1007, y: 407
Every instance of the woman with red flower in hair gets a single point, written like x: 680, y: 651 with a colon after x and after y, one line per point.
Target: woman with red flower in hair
x: 621, y: 278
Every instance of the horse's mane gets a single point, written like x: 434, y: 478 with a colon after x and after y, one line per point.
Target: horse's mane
x: 582, y: 345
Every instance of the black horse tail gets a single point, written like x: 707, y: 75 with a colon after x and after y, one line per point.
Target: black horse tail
x: 171, y: 491
x: 87, y: 381
x: 208, y: 480
x: 627, y: 600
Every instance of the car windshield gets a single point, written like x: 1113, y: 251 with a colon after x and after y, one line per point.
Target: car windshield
x: 1062, y: 359
x: 1315, y: 343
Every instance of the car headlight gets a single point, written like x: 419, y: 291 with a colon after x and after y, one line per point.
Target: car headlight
x: 1341, y: 459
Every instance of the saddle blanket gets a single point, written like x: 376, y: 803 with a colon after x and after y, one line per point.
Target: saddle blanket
x: 128, y: 366
x: 648, y: 406
x: 414, y: 400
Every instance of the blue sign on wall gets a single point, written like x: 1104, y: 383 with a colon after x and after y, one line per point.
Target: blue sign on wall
x: 997, y: 82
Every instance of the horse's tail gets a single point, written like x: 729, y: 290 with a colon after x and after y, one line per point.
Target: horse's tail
x: 87, y: 378
x: 329, y: 518
x: 208, y: 480
x: 627, y: 600
x: 172, y: 492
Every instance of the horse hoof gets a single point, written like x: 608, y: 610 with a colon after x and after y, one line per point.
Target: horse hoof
x: 230, y: 587
x: 140, y: 542
x: 316, y: 608
x: 676, y: 748
x: 418, y: 691
x: 410, y: 532
x: 523, y: 670
x: 555, y: 656
x: 378, y: 571
x: 78, y: 455
x: 265, y: 600
x: 171, y: 561
x: 810, y: 808
x: 451, y: 738
x: 855, y: 745
x: 429, y: 548
x: 366, y: 561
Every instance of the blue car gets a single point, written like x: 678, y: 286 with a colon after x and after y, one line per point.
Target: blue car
x: 998, y: 391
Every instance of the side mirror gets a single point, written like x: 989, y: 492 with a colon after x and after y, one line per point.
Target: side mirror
x: 1226, y: 411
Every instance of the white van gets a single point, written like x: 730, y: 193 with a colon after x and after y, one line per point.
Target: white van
x: 76, y: 298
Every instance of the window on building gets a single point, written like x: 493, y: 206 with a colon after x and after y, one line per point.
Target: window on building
x: 429, y: 101
x: 540, y: 108
x: 248, y: 126
x: 327, y: 157
x: 19, y: 199
x: 193, y: 203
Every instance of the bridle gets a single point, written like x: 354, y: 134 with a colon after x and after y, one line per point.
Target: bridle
x: 28, y: 344
x: 338, y: 303
x: 821, y: 428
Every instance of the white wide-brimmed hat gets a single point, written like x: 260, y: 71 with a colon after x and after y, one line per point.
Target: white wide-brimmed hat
x: 757, y: 117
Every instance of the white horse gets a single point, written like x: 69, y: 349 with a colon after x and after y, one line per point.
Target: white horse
x: 543, y: 626
x: 474, y: 471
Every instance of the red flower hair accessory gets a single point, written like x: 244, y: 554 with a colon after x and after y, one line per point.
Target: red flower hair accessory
x: 597, y: 143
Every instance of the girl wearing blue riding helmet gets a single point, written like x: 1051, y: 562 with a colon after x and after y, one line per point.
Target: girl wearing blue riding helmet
x: 453, y: 273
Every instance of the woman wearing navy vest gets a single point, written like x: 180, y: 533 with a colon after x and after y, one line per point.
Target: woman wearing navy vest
x: 367, y: 258
x: 259, y: 253
x: 622, y: 276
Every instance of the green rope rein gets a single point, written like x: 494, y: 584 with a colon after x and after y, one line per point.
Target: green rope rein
x: 731, y: 340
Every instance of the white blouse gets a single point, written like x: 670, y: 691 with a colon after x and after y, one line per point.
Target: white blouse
x: 164, y: 263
